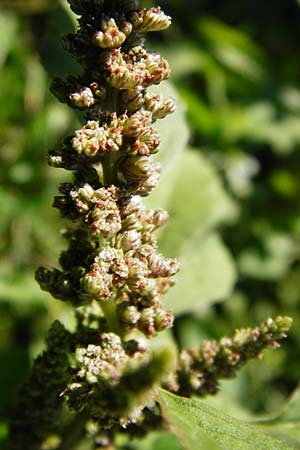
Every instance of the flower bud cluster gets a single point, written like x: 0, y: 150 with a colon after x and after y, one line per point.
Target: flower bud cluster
x: 111, y: 35
x: 112, y: 259
x: 93, y: 139
x: 152, y: 19
x: 122, y: 264
x: 137, y: 99
x: 99, y: 209
x: 78, y: 93
x: 103, y: 377
x: 131, y: 135
x: 199, y: 372
x: 135, y: 68
x: 86, y: 96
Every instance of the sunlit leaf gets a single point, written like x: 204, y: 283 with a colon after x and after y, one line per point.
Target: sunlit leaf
x: 196, y: 201
x: 157, y: 441
x: 207, y: 275
x: 20, y: 288
x: 201, y: 427
x: 173, y: 129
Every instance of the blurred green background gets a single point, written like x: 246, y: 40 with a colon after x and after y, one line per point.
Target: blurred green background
x: 232, y: 149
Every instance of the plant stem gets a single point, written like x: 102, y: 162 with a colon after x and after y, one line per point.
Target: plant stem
x: 109, y: 161
x: 110, y: 314
x: 74, y: 434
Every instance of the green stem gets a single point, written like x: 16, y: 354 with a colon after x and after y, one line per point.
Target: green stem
x: 109, y: 161
x: 110, y: 313
x: 109, y: 165
x: 75, y: 433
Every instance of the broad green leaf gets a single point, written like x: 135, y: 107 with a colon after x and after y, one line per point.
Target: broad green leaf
x: 20, y: 288
x: 56, y: 60
x: 196, y: 203
x: 192, y: 58
x: 173, y: 129
x: 207, y: 275
x: 201, y: 427
x: 157, y: 441
x: 286, y: 424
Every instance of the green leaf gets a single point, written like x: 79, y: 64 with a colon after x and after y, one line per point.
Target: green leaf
x: 173, y: 130
x: 232, y: 48
x: 55, y: 59
x: 207, y: 275
x: 193, y: 195
x: 201, y: 116
x: 157, y: 441
x: 196, y: 203
x: 191, y: 57
x: 286, y: 424
x: 201, y: 427
x: 20, y: 288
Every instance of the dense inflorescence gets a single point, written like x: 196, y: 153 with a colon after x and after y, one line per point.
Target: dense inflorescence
x: 199, y: 371
x: 111, y: 272
x: 111, y: 156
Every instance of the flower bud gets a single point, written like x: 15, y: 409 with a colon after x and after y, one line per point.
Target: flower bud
x: 97, y: 283
x: 129, y: 315
x: 130, y: 240
x: 159, y: 107
x: 112, y: 35
x: 138, y: 275
x: 83, y: 197
x: 137, y: 123
x: 160, y: 217
x: 152, y: 19
x: 149, y: 184
x: 139, y: 168
x: 146, y: 323
x: 82, y: 99
x: 163, y: 319
x: 133, y: 99
x: 90, y: 139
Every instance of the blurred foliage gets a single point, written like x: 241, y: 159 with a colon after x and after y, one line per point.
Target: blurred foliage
x: 236, y: 66
x: 31, y: 121
x: 233, y: 195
